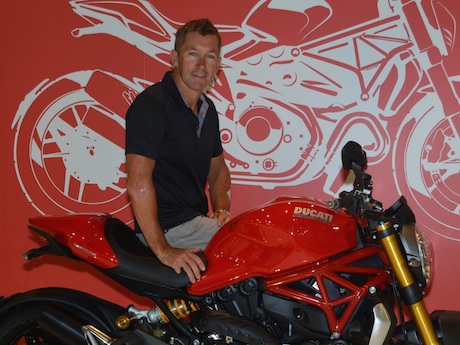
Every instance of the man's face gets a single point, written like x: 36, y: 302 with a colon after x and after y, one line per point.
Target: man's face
x: 196, y: 62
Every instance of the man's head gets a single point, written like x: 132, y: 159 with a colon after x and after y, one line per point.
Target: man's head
x: 196, y: 57
x: 202, y: 26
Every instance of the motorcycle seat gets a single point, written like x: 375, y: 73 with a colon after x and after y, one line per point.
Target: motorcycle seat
x: 136, y: 262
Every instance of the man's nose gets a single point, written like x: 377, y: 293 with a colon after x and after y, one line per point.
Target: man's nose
x: 201, y: 61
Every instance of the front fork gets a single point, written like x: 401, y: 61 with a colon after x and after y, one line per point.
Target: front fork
x: 411, y: 293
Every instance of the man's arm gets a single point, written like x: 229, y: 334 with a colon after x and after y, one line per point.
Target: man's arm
x: 219, y: 185
x: 141, y: 191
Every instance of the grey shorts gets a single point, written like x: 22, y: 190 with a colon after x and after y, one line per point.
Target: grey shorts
x: 194, y: 233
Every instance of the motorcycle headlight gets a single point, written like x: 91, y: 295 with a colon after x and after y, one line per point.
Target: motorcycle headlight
x: 419, y: 252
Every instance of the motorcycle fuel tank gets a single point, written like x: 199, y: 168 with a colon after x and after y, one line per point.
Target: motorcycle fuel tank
x: 284, y: 234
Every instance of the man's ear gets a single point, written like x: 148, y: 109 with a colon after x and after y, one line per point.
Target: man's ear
x: 174, y: 58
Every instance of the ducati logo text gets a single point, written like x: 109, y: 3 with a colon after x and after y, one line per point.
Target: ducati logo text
x: 305, y: 212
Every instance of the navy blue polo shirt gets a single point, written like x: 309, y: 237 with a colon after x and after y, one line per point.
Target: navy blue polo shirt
x: 159, y: 125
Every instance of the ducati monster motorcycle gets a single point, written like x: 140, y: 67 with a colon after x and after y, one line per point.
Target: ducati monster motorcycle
x: 293, y: 271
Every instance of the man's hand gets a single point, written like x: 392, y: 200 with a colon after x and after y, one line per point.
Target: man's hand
x: 223, y: 216
x: 184, y: 259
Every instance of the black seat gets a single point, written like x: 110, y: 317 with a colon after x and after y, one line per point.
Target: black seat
x: 137, y: 263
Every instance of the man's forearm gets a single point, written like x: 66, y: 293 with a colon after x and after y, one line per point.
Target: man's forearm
x: 220, y: 191
x: 144, y: 206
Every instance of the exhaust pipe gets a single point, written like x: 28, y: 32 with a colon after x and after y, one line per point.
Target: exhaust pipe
x: 93, y: 336
x: 67, y: 330
x: 61, y: 326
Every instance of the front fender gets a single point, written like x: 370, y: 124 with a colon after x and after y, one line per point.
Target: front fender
x: 446, y: 324
x: 91, y: 309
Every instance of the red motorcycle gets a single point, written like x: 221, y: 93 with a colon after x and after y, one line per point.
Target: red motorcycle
x: 293, y: 271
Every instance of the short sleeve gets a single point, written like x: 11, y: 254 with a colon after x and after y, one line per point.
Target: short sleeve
x: 145, y: 126
x: 217, y: 146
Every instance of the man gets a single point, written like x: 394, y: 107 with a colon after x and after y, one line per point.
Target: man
x: 173, y: 148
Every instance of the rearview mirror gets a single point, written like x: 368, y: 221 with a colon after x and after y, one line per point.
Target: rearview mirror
x: 352, y: 152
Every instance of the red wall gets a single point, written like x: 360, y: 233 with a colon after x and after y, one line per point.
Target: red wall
x: 317, y: 77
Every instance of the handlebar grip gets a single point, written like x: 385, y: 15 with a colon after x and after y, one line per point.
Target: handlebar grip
x: 333, y: 204
x: 346, y: 202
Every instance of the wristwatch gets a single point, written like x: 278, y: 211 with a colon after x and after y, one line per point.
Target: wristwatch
x: 220, y: 210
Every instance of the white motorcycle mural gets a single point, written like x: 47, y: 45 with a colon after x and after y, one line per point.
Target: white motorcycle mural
x: 288, y: 99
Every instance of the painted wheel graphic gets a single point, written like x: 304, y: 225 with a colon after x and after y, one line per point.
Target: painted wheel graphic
x: 69, y: 148
x: 427, y: 165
